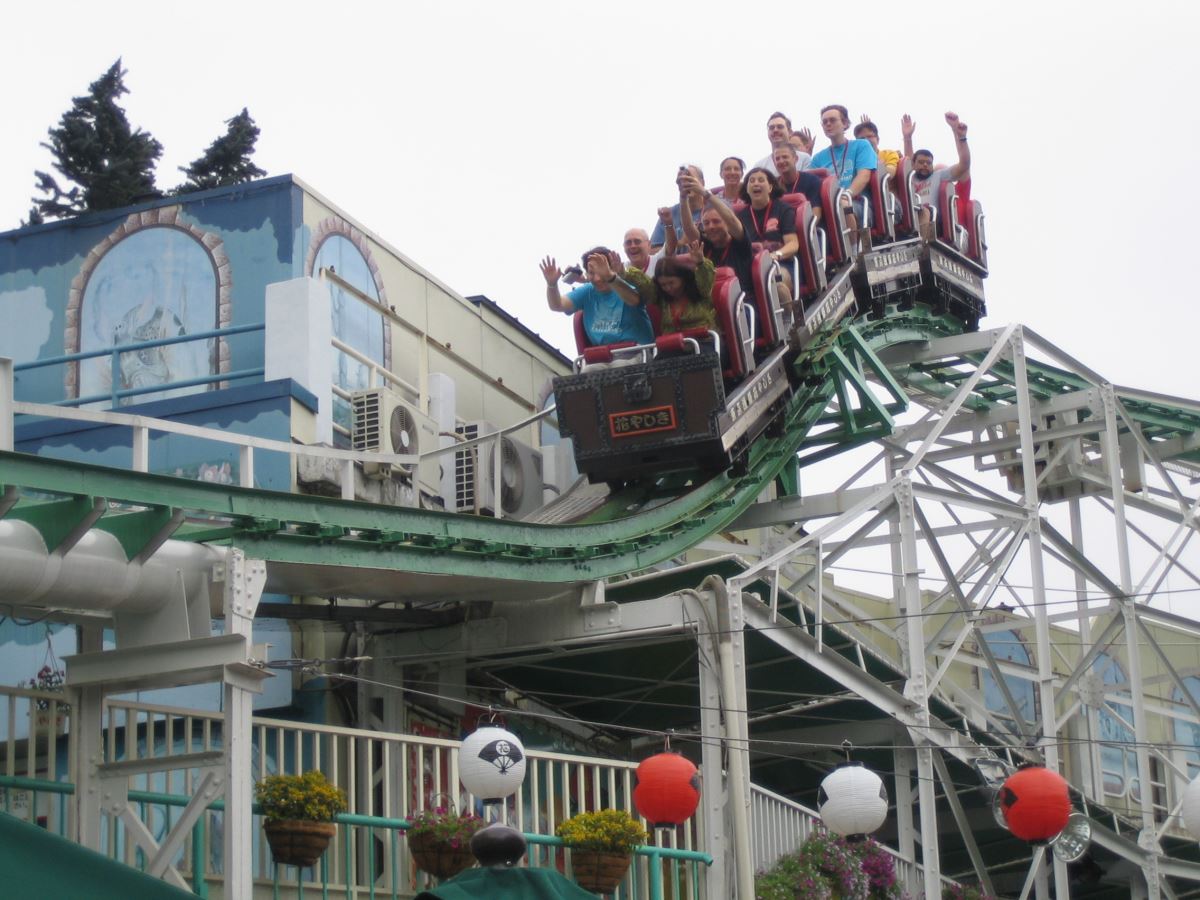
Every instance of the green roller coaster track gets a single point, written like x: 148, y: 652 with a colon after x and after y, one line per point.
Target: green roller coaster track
x: 636, y: 528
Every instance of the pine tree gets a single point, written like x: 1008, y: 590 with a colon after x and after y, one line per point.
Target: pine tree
x: 107, y: 164
x: 227, y: 159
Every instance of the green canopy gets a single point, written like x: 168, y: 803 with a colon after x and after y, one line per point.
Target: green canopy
x: 507, y: 884
x: 36, y: 863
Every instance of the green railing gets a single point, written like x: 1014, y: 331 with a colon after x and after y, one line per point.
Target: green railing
x: 658, y: 873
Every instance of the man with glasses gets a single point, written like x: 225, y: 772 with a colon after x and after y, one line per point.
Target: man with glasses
x: 779, y: 133
x: 852, y: 161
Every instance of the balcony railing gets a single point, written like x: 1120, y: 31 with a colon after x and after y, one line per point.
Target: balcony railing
x: 387, y: 777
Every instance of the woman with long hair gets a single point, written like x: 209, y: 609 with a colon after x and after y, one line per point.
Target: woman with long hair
x: 684, y: 291
x: 767, y: 219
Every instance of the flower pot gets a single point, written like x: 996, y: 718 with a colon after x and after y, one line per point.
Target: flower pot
x: 439, y: 858
x: 599, y: 871
x: 297, y: 842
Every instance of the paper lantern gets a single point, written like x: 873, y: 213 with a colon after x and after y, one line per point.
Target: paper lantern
x: 491, y: 763
x: 1035, y: 803
x: 1191, y: 808
x: 852, y: 801
x: 668, y: 789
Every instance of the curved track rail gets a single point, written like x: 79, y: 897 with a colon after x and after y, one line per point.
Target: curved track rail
x: 634, y: 529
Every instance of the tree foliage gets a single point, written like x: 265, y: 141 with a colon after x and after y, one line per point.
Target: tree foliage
x: 106, y: 163
x: 227, y: 159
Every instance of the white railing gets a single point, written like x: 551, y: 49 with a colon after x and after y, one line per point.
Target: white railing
x: 384, y: 775
x: 780, y: 825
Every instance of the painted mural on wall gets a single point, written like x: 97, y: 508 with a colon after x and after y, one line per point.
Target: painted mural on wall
x: 341, y: 247
x: 153, y: 278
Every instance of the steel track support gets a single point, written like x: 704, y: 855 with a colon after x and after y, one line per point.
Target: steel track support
x: 1037, y: 581
x: 714, y: 810
x: 905, y: 764
x: 244, y: 581
x: 1111, y: 453
x: 917, y: 681
x: 731, y: 651
x: 1091, y: 749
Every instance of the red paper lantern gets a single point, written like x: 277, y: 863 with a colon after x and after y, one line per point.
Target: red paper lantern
x: 668, y: 790
x: 1035, y: 803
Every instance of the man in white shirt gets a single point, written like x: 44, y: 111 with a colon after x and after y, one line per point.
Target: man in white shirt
x: 779, y: 131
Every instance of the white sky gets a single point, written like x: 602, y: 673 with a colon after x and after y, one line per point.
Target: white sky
x: 475, y: 137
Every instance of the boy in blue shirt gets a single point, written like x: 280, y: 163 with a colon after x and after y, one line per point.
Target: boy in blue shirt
x: 613, y: 311
x: 852, y: 161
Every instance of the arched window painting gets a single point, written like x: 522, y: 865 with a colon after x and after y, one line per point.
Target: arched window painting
x: 158, y: 282
x: 1006, y: 645
x: 1187, y: 734
x: 1118, y: 760
x: 354, y: 323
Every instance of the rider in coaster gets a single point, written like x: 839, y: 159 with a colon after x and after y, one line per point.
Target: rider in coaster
x: 770, y: 222
x: 852, y: 161
x: 725, y: 241
x: 733, y: 169
x: 684, y: 292
x: 613, y: 310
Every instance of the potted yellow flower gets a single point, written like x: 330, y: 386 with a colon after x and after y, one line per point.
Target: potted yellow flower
x: 299, y: 812
x: 602, y: 844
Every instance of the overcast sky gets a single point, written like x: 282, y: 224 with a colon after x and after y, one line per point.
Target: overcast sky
x: 475, y: 137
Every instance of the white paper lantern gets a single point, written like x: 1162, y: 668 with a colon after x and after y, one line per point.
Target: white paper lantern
x: 491, y: 763
x: 852, y: 801
x: 1191, y: 808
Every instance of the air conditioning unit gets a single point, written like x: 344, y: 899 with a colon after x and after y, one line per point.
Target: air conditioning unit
x: 474, y: 469
x: 381, y: 422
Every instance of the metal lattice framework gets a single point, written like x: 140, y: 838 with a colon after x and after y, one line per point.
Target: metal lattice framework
x: 1029, y: 489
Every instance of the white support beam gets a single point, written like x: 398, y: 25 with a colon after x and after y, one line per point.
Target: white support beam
x: 244, y: 581
x: 7, y: 428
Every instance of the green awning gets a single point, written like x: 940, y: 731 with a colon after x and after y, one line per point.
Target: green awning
x: 507, y: 884
x: 36, y: 863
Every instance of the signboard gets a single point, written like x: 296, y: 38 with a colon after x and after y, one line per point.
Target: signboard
x: 636, y: 422
x: 838, y: 300
x: 893, y: 264
x: 947, y: 269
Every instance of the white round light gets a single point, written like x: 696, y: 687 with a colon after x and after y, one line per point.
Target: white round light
x: 491, y: 763
x: 852, y: 801
x: 1191, y: 808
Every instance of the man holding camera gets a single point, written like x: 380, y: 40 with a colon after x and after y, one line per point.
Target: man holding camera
x: 613, y: 312
x: 699, y: 198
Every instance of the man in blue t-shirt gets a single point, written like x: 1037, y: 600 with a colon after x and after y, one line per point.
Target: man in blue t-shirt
x: 852, y: 161
x: 612, y: 309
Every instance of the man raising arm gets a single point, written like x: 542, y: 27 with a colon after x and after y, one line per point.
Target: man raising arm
x: 613, y: 311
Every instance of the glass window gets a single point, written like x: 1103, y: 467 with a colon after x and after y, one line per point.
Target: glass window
x: 354, y: 322
x: 1187, y: 734
x: 1007, y: 645
x: 156, y: 283
x: 1118, y: 760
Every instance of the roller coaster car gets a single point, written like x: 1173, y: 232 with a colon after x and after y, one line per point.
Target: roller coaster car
x: 946, y: 271
x: 638, y: 410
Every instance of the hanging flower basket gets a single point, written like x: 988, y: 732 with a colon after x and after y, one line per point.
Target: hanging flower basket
x: 602, y: 844
x: 599, y: 871
x: 439, y: 857
x: 298, y: 815
x: 298, y: 842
